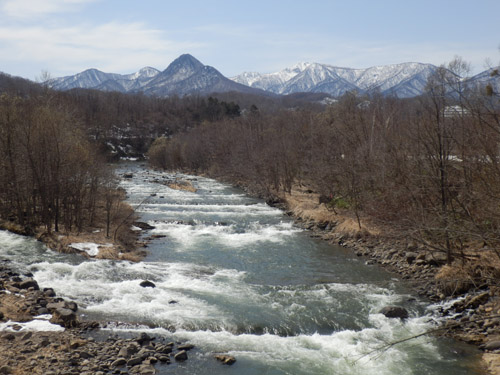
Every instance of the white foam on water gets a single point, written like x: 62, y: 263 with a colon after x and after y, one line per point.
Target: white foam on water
x: 345, y: 352
x: 201, y: 294
x: 11, y: 241
x: 213, y: 304
x: 113, y: 288
x: 188, y: 236
x: 214, y: 209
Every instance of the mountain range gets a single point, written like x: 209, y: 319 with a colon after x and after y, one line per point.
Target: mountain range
x: 187, y: 75
x: 402, y: 80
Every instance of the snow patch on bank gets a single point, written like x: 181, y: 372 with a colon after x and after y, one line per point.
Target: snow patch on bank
x: 39, y: 324
x: 92, y: 249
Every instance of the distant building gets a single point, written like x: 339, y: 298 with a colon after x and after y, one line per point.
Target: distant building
x: 455, y: 111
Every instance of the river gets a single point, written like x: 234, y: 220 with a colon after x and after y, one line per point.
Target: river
x: 234, y: 275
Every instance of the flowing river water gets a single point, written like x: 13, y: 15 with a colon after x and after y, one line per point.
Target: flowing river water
x: 234, y: 275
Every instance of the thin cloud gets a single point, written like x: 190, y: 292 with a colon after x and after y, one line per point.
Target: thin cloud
x: 272, y: 51
x: 26, y: 9
x: 119, y: 47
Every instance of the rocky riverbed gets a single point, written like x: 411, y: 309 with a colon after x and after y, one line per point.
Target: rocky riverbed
x: 41, y: 333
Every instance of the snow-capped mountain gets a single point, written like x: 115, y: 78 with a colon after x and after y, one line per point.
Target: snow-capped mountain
x: 185, y: 75
x: 402, y: 80
x: 270, y: 82
x: 95, y: 79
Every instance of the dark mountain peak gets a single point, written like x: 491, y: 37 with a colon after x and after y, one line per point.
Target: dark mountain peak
x: 185, y: 61
x: 188, y: 57
x: 92, y: 70
x: 94, y: 73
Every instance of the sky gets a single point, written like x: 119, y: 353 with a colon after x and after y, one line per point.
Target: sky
x: 64, y: 37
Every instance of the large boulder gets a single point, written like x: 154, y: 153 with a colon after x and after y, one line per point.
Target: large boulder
x: 394, y: 312
x: 65, y: 318
x: 181, y: 356
x: 29, y: 283
x: 143, y: 226
x: 147, y: 284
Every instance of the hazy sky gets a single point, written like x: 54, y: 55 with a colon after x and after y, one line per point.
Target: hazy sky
x: 64, y: 37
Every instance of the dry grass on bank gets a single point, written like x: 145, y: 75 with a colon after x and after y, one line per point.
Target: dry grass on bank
x: 306, y: 205
x: 477, y: 265
x: 477, y: 268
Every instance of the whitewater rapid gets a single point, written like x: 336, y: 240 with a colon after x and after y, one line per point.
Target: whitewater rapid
x: 234, y: 275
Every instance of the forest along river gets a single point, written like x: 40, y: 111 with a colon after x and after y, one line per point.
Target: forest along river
x: 234, y: 275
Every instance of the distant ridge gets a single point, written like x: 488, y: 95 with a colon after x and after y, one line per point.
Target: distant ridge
x: 186, y: 75
x: 402, y: 80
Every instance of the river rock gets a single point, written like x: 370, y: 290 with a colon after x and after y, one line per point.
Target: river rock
x: 72, y: 306
x: 492, y: 345
x: 181, y: 356
x: 49, y: 292
x: 145, y: 353
x: 411, y: 256
x: 164, y: 349
x: 225, y: 359
x: 53, y: 306
x: 478, y: 300
x: 65, y: 318
x: 147, y: 284
x: 394, y: 312
x: 77, y: 343
x: 128, y: 351
x: 9, y: 336
x: 143, y: 226
x: 119, y: 362
x: 145, y: 369
x: 5, y: 370
x: 144, y: 339
x: 29, y: 283
x: 134, y: 361
x: 151, y: 360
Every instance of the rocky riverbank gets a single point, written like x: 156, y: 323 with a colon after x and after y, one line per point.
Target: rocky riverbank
x: 474, y: 317
x: 41, y: 333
